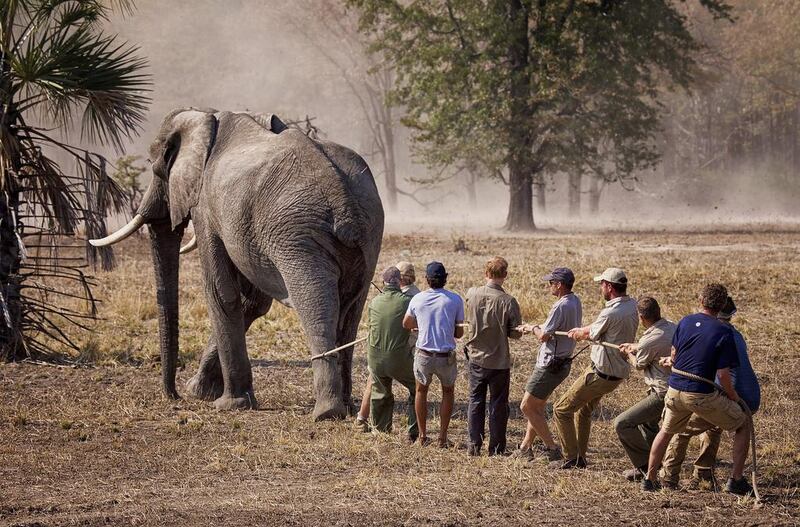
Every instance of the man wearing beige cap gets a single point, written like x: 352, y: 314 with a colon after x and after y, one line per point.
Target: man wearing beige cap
x: 616, y: 324
x: 407, y: 278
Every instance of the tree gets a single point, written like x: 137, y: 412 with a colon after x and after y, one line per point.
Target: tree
x: 529, y: 87
x: 332, y: 31
x: 56, y: 64
x: 126, y: 176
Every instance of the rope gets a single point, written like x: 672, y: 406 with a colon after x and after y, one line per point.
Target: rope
x: 597, y: 342
x: 747, y: 412
x: 335, y: 351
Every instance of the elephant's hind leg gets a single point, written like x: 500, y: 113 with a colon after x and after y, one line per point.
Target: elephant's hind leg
x: 207, y: 383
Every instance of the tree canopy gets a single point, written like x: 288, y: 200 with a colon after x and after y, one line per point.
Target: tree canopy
x: 524, y: 88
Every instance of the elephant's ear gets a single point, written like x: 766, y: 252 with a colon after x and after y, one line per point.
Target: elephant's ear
x: 195, y: 134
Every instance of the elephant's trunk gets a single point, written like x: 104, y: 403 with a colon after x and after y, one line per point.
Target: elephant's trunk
x: 165, y: 243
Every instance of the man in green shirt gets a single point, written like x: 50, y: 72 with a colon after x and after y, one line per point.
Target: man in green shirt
x: 389, y: 357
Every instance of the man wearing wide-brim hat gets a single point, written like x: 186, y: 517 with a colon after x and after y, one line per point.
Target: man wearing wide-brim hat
x: 616, y: 324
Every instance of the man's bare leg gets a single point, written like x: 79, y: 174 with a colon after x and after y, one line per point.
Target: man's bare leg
x: 740, y: 443
x: 448, y: 398
x: 657, y: 452
x: 421, y: 409
x: 363, y: 412
x: 533, y: 408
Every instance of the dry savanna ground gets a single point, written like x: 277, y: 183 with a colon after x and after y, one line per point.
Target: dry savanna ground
x: 98, y: 444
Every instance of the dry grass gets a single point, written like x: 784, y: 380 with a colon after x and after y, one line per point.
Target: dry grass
x: 100, y: 445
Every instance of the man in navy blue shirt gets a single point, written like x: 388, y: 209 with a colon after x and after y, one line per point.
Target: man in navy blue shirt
x: 746, y: 384
x: 703, y: 346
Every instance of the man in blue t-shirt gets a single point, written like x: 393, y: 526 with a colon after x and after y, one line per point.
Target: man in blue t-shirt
x: 705, y: 347
x: 438, y: 314
x: 746, y: 385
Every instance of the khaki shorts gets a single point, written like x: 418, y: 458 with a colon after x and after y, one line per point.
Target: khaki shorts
x: 543, y: 381
x: 714, y: 407
x: 442, y: 366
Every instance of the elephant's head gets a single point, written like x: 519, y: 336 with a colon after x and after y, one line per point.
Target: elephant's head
x: 178, y: 155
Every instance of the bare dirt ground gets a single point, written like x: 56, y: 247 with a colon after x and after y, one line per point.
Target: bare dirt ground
x: 99, y: 445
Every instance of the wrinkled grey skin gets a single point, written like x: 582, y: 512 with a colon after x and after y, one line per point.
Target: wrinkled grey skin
x: 277, y: 216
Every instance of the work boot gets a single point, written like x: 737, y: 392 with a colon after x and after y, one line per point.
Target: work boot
x: 650, y: 485
x: 361, y: 425
x: 525, y: 454
x: 578, y: 462
x: 635, y: 474
x: 739, y: 486
x: 554, y: 454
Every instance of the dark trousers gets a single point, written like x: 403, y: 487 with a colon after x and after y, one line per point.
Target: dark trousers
x: 497, y: 382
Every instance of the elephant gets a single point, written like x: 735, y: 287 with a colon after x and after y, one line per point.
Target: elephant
x: 277, y: 216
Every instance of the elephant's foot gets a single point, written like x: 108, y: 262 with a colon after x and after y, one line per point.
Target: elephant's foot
x: 329, y: 409
x: 204, y: 387
x: 245, y: 402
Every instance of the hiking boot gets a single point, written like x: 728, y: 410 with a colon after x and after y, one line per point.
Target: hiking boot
x: 635, y: 474
x: 361, y: 425
x: 525, y: 454
x: 739, y: 486
x: 650, y: 486
x: 446, y: 444
x: 669, y: 485
x: 578, y: 462
x: 474, y: 450
x: 554, y: 454
x: 700, y: 483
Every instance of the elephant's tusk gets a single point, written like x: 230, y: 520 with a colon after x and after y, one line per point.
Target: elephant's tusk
x: 189, y: 247
x: 132, y: 226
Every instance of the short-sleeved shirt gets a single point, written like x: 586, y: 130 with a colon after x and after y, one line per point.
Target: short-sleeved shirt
x: 743, y: 377
x: 566, y: 313
x: 655, y: 343
x: 437, y: 312
x: 493, y: 316
x: 702, y: 345
x: 616, y: 324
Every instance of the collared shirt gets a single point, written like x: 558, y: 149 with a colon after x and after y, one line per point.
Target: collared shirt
x: 616, y: 324
x: 566, y: 313
x: 492, y: 315
x: 388, y: 339
x: 437, y: 312
x: 410, y: 290
x: 656, y: 342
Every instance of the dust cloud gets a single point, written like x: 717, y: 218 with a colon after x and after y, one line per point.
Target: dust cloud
x: 246, y: 55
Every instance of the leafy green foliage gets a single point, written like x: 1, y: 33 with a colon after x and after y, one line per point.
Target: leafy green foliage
x: 534, y: 87
x: 56, y: 65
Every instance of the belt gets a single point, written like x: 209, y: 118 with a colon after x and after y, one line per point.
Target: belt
x: 604, y: 376
x: 434, y: 353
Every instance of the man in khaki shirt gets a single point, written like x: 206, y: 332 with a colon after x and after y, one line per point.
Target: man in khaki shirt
x: 493, y: 317
x: 617, y: 323
x: 638, y: 425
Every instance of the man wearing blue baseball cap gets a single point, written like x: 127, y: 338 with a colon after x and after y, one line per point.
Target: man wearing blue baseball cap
x: 438, y: 314
x: 553, y: 363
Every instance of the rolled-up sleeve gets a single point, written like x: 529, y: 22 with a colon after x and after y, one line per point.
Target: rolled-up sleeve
x: 554, y: 320
x: 514, y: 319
x: 646, y: 352
x: 599, y: 326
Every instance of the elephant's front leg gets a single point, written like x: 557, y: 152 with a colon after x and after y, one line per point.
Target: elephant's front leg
x: 207, y: 383
x: 227, y: 328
